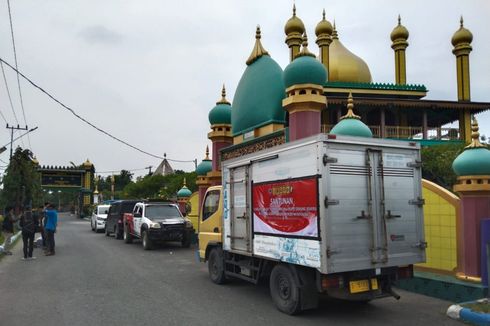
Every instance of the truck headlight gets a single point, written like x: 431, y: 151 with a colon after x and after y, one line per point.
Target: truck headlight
x: 155, y: 225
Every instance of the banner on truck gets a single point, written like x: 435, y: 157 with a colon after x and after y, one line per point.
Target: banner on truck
x: 287, y: 207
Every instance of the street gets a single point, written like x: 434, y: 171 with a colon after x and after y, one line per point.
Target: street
x: 96, y: 280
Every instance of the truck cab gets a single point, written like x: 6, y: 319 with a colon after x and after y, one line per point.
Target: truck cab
x: 210, y: 221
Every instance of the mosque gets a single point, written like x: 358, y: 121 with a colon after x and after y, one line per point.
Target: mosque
x: 333, y: 92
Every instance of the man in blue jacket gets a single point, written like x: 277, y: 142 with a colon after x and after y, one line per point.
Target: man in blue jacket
x: 51, y: 217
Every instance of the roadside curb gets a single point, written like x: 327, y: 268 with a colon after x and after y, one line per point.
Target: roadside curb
x: 467, y: 315
x: 12, y: 240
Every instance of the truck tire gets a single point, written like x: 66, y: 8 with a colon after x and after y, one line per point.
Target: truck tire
x: 285, y: 291
x: 145, y: 239
x: 186, y: 240
x: 117, y: 232
x: 216, y: 266
x: 128, y: 238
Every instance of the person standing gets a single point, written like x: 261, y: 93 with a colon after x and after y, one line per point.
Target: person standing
x: 8, y: 228
x: 51, y: 217
x: 28, y: 224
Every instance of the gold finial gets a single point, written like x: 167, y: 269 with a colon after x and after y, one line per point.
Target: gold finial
x: 335, y: 35
x: 258, y: 49
x: 475, y: 135
x: 304, y: 50
x: 350, y: 106
x: 461, y: 21
x: 223, y: 96
x: 399, y: 20
x: 185, y: 183
x: 323, y: 14
x: 207, y: 153
x: 294, y: 9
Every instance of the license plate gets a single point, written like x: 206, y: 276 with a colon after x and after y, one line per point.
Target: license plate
x: 362, y: 285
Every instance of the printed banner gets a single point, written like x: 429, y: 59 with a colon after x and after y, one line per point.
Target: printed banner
x: 286, y: 207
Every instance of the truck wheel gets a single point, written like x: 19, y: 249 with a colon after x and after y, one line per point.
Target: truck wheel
x: 117, y: 232
x: 147, y: 244
x: 216, y: 266
x: 285, y: 290
x: 128, y: 238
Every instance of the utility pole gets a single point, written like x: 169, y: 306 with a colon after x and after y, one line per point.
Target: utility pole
x: 12, y: 128
x: 149, y: 169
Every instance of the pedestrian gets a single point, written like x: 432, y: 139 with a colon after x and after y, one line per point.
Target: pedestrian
x: 42, y: 223
x: 51, y: 217
x: 29, y: 224
x: 8, y: 227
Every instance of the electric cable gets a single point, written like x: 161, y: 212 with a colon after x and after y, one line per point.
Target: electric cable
x: 3, y: 117
x: 72, y: 111
x: 17, y: 67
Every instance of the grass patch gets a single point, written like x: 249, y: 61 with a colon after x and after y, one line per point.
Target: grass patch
x: 482, y: 307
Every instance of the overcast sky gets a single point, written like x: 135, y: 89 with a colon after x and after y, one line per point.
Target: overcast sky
x: 150, y: 71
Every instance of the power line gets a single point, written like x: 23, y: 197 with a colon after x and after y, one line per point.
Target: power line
x: 9, y: 96
x: 3, y: 117
x: 80, y: 117
x: 17, y: 67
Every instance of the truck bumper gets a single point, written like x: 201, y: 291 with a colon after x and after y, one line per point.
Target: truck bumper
x: 169, y: 235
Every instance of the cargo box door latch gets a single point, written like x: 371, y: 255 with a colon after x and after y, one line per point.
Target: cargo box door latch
x: 329, y: 202
x: 418, y: 201
x: 421, y: 245
x: 416, y: 164
x: 327, y: 159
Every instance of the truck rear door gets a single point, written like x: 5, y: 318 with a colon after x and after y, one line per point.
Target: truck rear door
x: 238, y: 186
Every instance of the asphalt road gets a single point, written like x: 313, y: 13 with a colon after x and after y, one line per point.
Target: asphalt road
x: 96, y: 280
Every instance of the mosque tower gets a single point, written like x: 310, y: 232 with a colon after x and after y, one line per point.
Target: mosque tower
x: 294, y: 30
x: 183, y: 197
x: 472, y: 167
x: 461, y: 41
x: 323, y: 33
x: 304, y: 79
x: 399, y: 37
x: 202, y: 181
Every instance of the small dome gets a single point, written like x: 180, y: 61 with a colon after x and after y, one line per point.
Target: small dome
x: 221, y: 113
x: 399, y: 32
x: 184, y: 192
x: 475, y: 159
x: 294, y: 24
x: 351, y: 124
x: 323, y: 27
x: 305, y: 69
x: 258, y: 97
x: 87, y: 163
x: 462, y: 35
x: 345, y: 66
x: 206, y: 165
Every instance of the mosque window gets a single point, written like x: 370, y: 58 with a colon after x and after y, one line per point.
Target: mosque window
x: 302, y: 92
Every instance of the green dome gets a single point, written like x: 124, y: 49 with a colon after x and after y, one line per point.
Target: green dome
x: 351, y: 127
x: 220, y: 114
x: 473, y: 161
x: 258, y: 97
x: 184, y: 192
x: 305, y: 70
x: 204, y: 167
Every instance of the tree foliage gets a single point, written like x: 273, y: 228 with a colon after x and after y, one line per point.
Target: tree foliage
x: 153, y: 186
x: 22, y: 181
x: 437, y: 163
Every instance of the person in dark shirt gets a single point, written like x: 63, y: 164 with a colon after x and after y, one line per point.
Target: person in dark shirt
x: 28, y: 224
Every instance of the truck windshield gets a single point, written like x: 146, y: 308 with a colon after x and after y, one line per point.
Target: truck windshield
x: 162, y: 211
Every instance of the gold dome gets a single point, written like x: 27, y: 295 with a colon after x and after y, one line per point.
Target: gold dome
x: 399, y: 32
x: 462, y: 35
x: 294, y: 24
x: 323, y: 27
x: 87, y: 163
x: 345, y: 66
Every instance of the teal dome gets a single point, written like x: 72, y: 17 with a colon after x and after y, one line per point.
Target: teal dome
x: 305, y: 70
x: 184, y: 192
x: 258, y: 97
x: 473, y: 161
x: 351, y: 127
x: 204, y: 167
x: 220, y: 114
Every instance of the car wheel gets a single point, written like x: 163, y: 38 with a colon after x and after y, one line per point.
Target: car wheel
x: 92, y: 225
x: 147, y: 243
x: 285, y: 290
x: 216, y: 266
x: 106, y: 231
x: 128, y: 238
x: 186, y: 240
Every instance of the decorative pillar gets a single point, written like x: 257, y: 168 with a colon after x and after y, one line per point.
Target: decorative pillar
x: 425, y: 127
x: 461, y: 41
x: 323, y: 33
x: 399, y: 37
x: 472, y: 167
x: 202, y: 181
x: 88, y: 182
x: 382, y: 123
x: 294, y: 30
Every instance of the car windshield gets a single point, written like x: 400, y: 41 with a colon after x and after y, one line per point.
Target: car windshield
x: 162, y: 211
x: 102, y: 209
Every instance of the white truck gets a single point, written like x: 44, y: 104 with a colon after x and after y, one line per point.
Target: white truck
x: 333, y: 215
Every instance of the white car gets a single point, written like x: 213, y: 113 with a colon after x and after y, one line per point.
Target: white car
x: 99, y: 216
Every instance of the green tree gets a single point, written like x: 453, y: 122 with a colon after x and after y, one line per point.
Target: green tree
x: 160, y: 186
x: 22, y: 182
x: 437, y: 163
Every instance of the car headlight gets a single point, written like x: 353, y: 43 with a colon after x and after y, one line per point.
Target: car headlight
x: 155, y: 225
x: 188, y: 223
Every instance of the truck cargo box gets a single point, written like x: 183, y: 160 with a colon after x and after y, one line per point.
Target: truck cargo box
x: 333, y: 203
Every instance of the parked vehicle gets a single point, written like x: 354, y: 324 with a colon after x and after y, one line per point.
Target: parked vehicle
x: 99, y: 216
x: 115, y: 217
x: 157, y: 222
x: 340, y: 216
